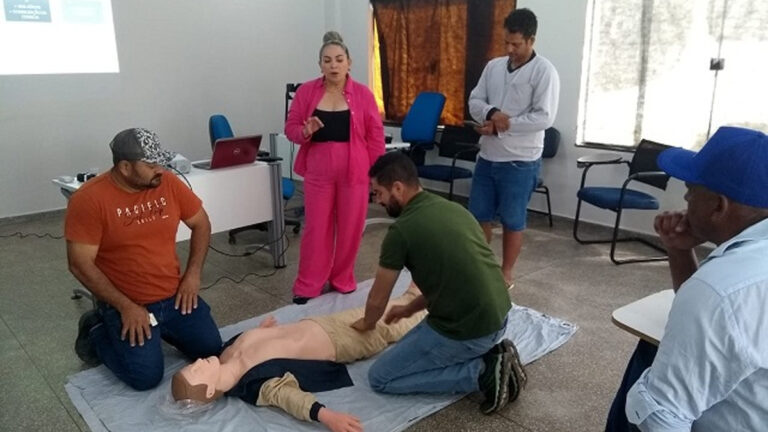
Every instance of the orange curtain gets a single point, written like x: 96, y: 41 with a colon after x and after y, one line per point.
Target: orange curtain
x: 424, y: 46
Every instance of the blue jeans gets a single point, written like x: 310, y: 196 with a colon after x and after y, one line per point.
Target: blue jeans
x: 503, y: 189
x: 641, y: 360
x: 141, y: 367
x: 425, y: 361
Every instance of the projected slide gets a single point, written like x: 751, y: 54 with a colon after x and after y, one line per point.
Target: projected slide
x: 57, y: 37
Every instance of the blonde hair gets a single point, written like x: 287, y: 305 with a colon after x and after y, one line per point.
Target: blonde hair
x: 332, y: 38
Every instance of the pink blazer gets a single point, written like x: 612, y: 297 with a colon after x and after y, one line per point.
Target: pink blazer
x: 366, y: 130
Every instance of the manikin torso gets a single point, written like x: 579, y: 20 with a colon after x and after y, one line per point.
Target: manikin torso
x: 303, y: 340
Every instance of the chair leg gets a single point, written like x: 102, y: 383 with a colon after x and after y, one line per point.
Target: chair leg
x: 576, y: 226
x: 615, y: 239
x: 233, y: 232
x: 549, y: 205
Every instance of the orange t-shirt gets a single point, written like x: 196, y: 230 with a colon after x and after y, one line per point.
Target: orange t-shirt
x: 135, y: 232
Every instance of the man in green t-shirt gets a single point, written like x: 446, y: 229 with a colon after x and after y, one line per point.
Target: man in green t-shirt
x: 458, y: 347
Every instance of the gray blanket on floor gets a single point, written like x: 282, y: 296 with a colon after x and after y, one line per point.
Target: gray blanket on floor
x: 106, y: 404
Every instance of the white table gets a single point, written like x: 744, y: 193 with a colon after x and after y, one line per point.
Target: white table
x: 235, y: 197
x: 647, y: 317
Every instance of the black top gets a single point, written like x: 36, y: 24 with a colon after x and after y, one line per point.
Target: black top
x: 336, y: 126
x: 312, y: 375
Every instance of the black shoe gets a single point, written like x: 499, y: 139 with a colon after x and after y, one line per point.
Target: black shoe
x: 299, y: 300
x: 494, y: 381
x: 517, y: 377
x: 83, y: 347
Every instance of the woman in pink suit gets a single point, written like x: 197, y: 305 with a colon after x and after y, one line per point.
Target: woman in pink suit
x: 337, y: 124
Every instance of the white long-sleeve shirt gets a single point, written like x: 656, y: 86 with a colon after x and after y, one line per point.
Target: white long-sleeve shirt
x: 529, y: 95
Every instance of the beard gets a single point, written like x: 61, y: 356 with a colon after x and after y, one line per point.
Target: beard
x: 393, y: 208
x: 151, y: 184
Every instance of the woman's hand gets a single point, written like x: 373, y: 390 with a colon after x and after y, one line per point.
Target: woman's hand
x: 311, y: 125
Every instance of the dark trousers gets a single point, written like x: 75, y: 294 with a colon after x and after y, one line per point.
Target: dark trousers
x: 141, y: 367
x: 641, y: 360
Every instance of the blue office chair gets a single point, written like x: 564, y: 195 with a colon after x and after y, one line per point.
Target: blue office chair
x: 551, y: 145
x: 456, y: 142
x: 420, y: 124
x: 642, y: 168
x: 218, y: 127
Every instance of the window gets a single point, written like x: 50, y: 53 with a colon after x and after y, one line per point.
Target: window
x: 651, y: 70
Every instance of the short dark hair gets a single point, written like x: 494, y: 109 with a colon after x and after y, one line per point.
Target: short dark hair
x: 521, y: 21
x: 394, y: 166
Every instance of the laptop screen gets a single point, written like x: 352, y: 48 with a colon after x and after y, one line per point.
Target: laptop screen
x: 235, y: 151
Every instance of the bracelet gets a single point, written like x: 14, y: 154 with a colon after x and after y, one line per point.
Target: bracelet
x: 314, y: 410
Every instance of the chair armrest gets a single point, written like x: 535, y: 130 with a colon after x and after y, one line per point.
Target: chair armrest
x: 468, y: 148
x: 587, y: 164
x: 647, y: 175
x: 424, y: 145
x: 392, y: 123
x: 599, y: 159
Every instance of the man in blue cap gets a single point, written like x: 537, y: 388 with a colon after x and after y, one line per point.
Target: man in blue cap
x: 711, y: 369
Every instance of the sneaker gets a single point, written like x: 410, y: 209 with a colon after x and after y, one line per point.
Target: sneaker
x: 299, y: 300
x: 517, y: 376
x: 83, y: 347
x: 494, y: 381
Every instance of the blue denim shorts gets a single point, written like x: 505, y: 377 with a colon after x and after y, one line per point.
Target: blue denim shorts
x: 501, y: 190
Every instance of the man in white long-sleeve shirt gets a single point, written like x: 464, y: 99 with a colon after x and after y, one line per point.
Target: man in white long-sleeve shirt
x: 515, y: 100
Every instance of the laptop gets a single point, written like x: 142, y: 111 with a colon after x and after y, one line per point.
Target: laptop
x: 229, y: 152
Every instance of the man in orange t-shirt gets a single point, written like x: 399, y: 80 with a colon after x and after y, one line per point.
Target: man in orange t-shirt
x: 121, y: 245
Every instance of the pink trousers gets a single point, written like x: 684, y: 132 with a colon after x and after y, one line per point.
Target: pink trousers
x: 335, y: 208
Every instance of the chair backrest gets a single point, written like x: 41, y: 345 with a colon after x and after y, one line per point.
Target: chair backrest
x: 290, y: 92
x: 551, y: 143
x: 218, y: 127
x: 420, y: 124
x: 644, y: 160
x: 451, y: 139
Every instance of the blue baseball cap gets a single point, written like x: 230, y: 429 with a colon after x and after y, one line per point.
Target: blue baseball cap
x: 734, y: 163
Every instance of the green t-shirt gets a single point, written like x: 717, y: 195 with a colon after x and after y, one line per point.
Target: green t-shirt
x: 444, y: 248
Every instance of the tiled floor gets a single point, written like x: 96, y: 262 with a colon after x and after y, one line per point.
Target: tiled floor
x: 568, y: 390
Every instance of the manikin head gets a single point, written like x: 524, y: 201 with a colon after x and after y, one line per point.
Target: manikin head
x: 394, y: 181
x: 197, y: 381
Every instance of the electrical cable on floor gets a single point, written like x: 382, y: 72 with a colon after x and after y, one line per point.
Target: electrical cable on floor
x: 22, y: 235
x: 238, y: 281
x: 261, y: 247
x: 258, y: 275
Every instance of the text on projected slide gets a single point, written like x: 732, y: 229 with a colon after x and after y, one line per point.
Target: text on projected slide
x: 57, y: 36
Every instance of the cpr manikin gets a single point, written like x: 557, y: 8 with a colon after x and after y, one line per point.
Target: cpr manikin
x: 323, y: 339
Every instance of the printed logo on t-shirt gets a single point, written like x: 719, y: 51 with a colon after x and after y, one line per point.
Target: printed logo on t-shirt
x: 142, y: 213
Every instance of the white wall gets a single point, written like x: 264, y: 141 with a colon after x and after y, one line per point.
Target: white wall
x: 185, y: 61
x: 560, y: 39
x: 180, y: 62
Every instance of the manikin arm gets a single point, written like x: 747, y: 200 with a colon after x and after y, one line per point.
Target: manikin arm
x: 284, y: 393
